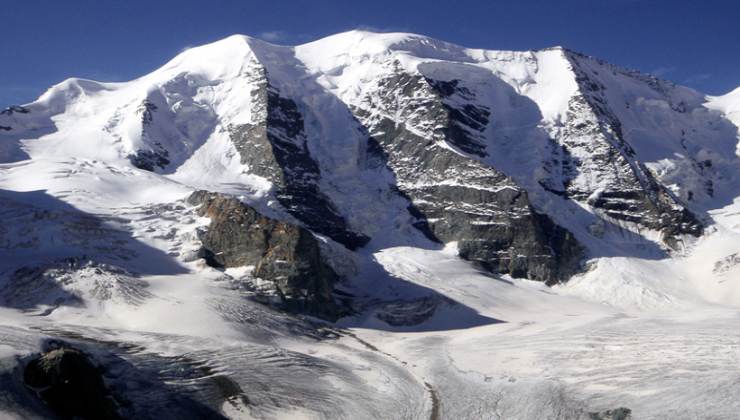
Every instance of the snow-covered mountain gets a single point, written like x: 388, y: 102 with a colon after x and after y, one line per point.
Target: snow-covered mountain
x: 377, y: 226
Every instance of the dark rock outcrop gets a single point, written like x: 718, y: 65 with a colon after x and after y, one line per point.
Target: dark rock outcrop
x: 283, y: 253
x: 158, y: 156
x: 627, y: 190
x: 275, y: 148
x: 726, y: 264
x: 15, y: 109
x: 9, y: 111
x: 459, y: 197
x: 150, y: 161
x: 71, y: 385
x: 465, y: 123
x: 615, y: 414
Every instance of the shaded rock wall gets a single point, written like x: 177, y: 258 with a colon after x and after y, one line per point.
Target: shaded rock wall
x: 461, y: 198
x: 604, y: 170
x: 274, y: 147
x: 285, y: 254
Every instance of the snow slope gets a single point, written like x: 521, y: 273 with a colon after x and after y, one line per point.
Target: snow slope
x: 728, y: 104
x: 98, y: 247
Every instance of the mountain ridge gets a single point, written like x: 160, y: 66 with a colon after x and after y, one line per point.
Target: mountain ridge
x: 253, y: 52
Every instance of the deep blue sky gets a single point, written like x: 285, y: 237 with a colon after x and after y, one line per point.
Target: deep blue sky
x: 692, y: 42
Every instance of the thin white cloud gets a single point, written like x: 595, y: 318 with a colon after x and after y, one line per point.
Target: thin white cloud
x: 383, y: 29
x: 662, y: 71
x: 698, y: 78
x: 272, y: 36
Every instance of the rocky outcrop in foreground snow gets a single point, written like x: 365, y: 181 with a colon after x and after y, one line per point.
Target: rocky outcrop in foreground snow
x: 71, y: 385
x: 283, y: 253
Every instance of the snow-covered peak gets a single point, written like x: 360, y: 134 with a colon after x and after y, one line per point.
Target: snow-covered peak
x: 70, y: 90
x: 215, y: 61
x: 729, y: 104
x: 354, y: 56
x: 358, y: 43
x: 734, y: 95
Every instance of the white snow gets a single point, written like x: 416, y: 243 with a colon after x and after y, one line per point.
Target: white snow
x: 729, y: 104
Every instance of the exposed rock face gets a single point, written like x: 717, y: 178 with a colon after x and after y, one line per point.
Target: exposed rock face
x: 15, y: 109
x: 616, y: 414
x: 466, y: 121
x: 71, y: 385
x: 274, y: 147
x: 157, y: 158
x: 601, y: 169
x: 285, y: 254
x: 727, y: 263
x: 149, y: 161
x: 462, y: 198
